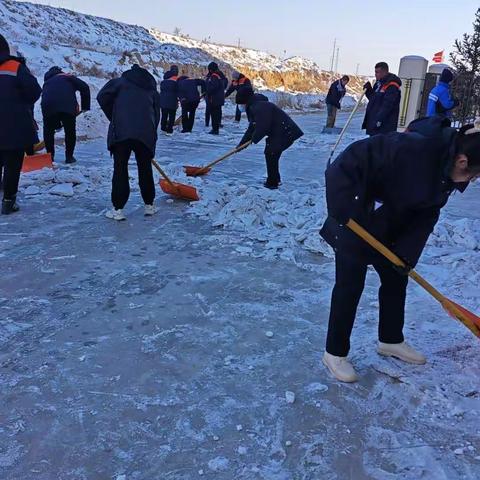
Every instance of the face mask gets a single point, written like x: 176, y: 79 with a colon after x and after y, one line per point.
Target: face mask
x: 242, y: 108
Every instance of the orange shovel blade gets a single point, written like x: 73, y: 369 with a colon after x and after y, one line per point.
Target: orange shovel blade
x: 469, y: 319
x: 195, y: 171
x: 180, y: 190
x: 36, y: 162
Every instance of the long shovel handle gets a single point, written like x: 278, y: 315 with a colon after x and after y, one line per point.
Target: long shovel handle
x: 163, y: 174
x: 448, y: 305
x: 344, y: 129
x: 387, y: 253
x: 229, y: 154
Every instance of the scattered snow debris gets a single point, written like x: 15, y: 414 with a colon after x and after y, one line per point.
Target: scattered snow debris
x: 169, y: 200
x: 69, y: 176
x: 121, y: 477
x: 239, y: 428
x: 290, y: 397
x: 82, y: 358
x: 316, y: 388
x: 242, y: 450
x: 200, y: 472
x: 269, y: 334
x: 288, y: 443
x: 62, y: 189
x: 218, y: 464
x: 251, y: 367
x: 459, y: 451
x: 32, y: 190
x: 216, y: 438
x: 241, y: 249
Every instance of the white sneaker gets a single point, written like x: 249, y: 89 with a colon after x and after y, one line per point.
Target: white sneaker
x: 150, y: 210
x: 115, y: 214
x: 340, y: 368
x: 401, y: 351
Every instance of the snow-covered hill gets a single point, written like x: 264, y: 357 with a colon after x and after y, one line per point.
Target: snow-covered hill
x: 102, y: 48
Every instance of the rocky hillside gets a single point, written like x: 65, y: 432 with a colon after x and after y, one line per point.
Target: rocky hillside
x: 99, y: 48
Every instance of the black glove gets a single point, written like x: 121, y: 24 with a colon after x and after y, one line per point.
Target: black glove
x: 367, y: 86
x: 402, y: 270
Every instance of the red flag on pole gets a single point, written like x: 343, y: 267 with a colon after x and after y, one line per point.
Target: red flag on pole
x: 438, y: 57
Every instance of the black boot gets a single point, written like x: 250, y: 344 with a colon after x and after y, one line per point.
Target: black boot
x: 9, y: 206
x: 70, y: 159
x: 213, y: 132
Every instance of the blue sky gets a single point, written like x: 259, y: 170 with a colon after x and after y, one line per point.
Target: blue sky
x: 367, y: 31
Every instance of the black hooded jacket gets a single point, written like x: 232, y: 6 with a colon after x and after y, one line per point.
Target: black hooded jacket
x: 19, y: 90
x: 268, y: 120
x: 393, y: 185
x: 59, y: 93
x: 132, y: 104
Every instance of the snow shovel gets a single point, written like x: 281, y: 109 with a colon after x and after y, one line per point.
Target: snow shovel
x: 469, y: 319
x: 39, y: 146
x: 198, y: 171
x: 344, y: 129
x: 180, y: 190
x: 36, y: 162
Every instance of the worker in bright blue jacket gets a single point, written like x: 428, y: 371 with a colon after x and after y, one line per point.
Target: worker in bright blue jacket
x: 440, y: 100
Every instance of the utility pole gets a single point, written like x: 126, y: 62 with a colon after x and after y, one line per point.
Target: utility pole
x: 336, y: 61
x: 356, y: 70
x: 332, y: 63
x: 238, y: 43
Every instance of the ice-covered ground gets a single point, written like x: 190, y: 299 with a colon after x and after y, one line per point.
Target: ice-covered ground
x: 164, y: 348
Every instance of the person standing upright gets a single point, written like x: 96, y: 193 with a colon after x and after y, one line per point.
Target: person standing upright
x: 383, y: 102
x: 169, y: 99
x: 132, y: 104
x: 335, y: 94
x: 215, y: 84
x: 60, y: 109
x: 238, y: 80
x: 189, y: 97
x: 19, y: 90
x: 440, y: 100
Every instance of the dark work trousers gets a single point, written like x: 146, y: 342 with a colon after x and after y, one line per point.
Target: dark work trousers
x: 168, y: 120
x: 273, y: 173
x: 207, y: 114
x: 188, y: 115
x: 54, y: 122
x: 238, y: 114
x: 216, y: 114
x: 12, y: 161
x: 120, y: 184
x: 349, y: 283
x: 331, y: 115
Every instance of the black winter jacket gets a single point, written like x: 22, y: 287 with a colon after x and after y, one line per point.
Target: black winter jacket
x: 268, y: 120
x: 132, y: 104
x: 188, y: 89
x: 383, y: 105
x: 215, y: 84
x: 335, y: 94
x: 169, y: 91
x: 59, y: 93
x: 394, y: 185
x: 19, y: 90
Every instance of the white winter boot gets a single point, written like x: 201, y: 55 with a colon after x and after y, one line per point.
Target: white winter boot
x: 340, y: 368
x: 150, y: 210
x: 401, y: 351
x: 115, y: 214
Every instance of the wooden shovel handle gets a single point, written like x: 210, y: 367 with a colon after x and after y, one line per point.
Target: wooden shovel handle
x: 229, y: 154
x: 162, y: 173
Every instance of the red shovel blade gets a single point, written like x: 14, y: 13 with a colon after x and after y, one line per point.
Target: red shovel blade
x: 195, y: 171
x: 180, y: 190
x: 36, y: 162
x: 469, y: 319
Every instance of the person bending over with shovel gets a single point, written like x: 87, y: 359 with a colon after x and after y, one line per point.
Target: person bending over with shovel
x: 132, y: 104
x: 394, y: 186
x: 267, y: 120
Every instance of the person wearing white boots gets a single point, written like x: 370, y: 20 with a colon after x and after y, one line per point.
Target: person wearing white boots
x: 394, y: 186
x: 132, y: 104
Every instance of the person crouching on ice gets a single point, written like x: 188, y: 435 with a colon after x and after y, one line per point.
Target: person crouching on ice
x: 394, y: 186
x: 267, y: 120
x: 132, y: 104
